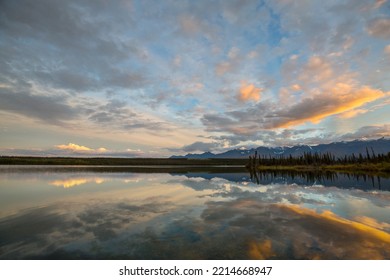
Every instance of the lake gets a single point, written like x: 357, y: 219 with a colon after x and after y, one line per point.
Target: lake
x: 72, y: 212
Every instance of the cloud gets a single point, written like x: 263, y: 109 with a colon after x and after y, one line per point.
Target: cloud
x: 379, y: 28
x: 49, y: 109
x: 231, y: 64
x: 368, y: 132
x: 318, y: 89
x: 352, y: 113
x: 296, y: 87
x: 76, y: 46
x: 73, y: 147
x: 115, y: 114
x: 249, y: 92
x: 318, y: 69
x: 379, y: 3
x: 80, y: 149
x: 386, y: 50
x: 130, y: 68
x: 223, y: 68
x: 199, y: 147
x: 341, y: 98
x: 190, y: 25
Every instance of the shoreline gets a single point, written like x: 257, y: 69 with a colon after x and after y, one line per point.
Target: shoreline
x: 382, y: 169
x: 184, y: 164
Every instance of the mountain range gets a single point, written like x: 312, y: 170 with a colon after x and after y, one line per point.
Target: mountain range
x: 338, y: 149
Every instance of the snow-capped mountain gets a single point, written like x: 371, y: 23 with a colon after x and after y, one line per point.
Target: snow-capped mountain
x: 338, y: 149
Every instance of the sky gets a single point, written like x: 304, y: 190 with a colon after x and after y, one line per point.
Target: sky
x: 157, y: 78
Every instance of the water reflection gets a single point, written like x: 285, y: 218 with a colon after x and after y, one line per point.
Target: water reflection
x: 325, y: 178
x: 72, y: 182
x: 196, y: 215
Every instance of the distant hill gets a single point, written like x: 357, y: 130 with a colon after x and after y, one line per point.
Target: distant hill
x: 339, y: 149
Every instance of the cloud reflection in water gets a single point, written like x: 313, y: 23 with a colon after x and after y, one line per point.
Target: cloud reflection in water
x: 180, y: 217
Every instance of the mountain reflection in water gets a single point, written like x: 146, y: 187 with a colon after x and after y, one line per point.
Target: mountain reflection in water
x: 49, y: 214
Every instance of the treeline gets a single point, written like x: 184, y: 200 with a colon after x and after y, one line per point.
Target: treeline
x: 15, y: 160
x: 317, y: 159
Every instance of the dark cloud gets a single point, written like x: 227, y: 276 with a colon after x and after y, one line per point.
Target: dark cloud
x: 50, y: 109
x: 200, y: 146
x: 116, y: 114
x: 71, y: 45
x: 233, y: 122
x: 113, y: 111
x: 67, y: 79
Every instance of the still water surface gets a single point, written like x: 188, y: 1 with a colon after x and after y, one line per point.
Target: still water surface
x: 85, y: 213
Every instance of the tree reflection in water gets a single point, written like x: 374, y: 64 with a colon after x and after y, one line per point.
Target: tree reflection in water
x: 325, y: 178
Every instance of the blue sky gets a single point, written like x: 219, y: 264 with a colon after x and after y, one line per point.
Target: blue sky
x: 155, y: 78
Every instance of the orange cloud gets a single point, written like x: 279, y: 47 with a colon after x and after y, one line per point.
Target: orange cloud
x: 340, y: 99
x: 249, y: 92
x: 73, y: 147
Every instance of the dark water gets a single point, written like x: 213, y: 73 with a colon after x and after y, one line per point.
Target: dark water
x: 89, y: 213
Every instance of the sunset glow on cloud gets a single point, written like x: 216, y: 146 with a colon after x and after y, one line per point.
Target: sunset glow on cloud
x: 157, y: 77
x: 341, y: 99
x: 73, y: 147
x: 249, y: 92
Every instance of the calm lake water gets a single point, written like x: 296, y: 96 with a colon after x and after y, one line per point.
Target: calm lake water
x: 108, y: 213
